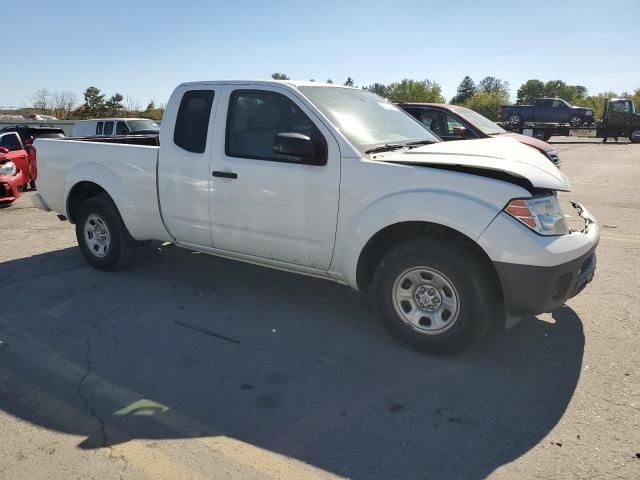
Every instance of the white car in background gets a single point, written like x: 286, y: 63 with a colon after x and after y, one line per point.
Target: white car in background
x: 110, y: 127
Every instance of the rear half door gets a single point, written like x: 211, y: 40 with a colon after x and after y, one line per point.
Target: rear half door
x: 270, y: 206
x: 183, y: 168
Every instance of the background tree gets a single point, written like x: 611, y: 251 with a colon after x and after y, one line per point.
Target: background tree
x: 487, y: 104
x: 279, y: 76
x: 408, y: 90
x: 329, y: 80
x: 379, y: 89
x: 349, y: 82
x: 466, y: 90
x: 132, y: 106
x: 41, y: 101
x: 114, y: 106
x: 62, y: 104
x: 93, y: 102
x: 493, y: 85
x: 529, y: 91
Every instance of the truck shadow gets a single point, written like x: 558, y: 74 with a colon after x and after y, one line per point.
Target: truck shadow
x: 189, y: 346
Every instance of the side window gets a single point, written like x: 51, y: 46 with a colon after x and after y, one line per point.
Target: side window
x: 108, y: 128
x: 256, y: 117
x: 99, y: 128
x: 557, y: 104
x: 11, y: 141
x: 452, y: 123
x: 432, y: 120
x: 121, y: 128
x: 192, y: 122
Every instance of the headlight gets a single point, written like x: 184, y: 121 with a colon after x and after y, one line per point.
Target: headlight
x: 543, y: 215
x: 8, y: 168
x: 589, y: 113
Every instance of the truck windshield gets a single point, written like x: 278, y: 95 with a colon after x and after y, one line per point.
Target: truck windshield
x: 481, y: 122
x: 142, y: 125
x: 366, y: 119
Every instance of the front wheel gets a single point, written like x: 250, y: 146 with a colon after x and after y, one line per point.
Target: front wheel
x: 435, y: 296
x: 635, y: 136
x: 576, y: 120
x: 102, y: 236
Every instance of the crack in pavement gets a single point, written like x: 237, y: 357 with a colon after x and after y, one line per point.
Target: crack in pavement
x: 90, y: 364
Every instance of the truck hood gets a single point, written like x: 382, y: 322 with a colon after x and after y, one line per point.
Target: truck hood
x: 507, y: 156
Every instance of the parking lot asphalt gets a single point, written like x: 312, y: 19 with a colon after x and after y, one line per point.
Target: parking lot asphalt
x: 191, y: 366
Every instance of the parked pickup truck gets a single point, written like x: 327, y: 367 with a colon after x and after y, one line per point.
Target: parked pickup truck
x: 337, y: 183
x: 553, y: 110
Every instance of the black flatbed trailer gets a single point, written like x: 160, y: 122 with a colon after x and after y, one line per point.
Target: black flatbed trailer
x: 619, y: 120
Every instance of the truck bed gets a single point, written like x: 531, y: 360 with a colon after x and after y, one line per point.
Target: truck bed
x: 124, y: 166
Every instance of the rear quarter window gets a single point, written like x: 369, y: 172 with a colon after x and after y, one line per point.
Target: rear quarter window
x: 192, y: 121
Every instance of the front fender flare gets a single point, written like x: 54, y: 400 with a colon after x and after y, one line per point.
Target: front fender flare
x: 465, y: 213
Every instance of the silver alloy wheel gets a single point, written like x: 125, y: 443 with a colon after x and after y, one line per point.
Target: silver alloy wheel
x: 97, y: 235
x: 575, y: 120
x: 426, y: 300
x: 515, y: 120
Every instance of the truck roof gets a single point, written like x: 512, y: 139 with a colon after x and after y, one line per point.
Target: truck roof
x: 291, y: 83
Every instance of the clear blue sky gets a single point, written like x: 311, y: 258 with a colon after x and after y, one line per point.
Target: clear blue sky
x: 144, y: 48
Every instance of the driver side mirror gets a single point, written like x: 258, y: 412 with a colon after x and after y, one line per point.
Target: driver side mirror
x: 4, y: 150
x: 460, y: 132
x: 298, y: 146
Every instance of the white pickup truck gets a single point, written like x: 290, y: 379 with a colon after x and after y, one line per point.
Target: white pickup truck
x: 337, y: 183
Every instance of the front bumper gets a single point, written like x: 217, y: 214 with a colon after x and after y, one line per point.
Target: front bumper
x: 11, y: 187
x: 533, y: 289
x: 530, y: 290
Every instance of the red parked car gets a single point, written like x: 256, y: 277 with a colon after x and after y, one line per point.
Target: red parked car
x: 18, y: 168
x: 453, y: 122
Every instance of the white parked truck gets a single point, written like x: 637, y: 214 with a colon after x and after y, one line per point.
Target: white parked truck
x: 337, y: 183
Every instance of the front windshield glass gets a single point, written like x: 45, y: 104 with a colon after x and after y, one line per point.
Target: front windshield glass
x: 142, y: 125
x: 366, y: 119
x: 481, y: 122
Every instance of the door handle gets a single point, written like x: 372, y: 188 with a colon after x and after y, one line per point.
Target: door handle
x: 224, y: 174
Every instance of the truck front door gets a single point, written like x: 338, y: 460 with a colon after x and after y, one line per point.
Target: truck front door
x: 265, y: 203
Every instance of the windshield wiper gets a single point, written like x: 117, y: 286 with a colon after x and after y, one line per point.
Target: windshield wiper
x: 419, y: 142
x: 387, y: 147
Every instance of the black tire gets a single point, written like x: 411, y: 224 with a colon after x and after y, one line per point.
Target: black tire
x: 634, y: 136
x: 121, y: 247
x: 469, y: 277
x: 32, y: 184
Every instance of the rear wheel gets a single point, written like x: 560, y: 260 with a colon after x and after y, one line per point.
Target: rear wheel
x: 434, y: 295
x: 515, y: 119
x: 634, y: 137
x: 102, y: 236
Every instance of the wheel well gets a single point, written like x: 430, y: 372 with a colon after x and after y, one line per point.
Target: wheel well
x: 394, y: 234
x: 79, y: 193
